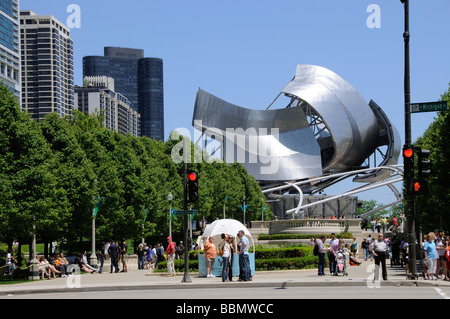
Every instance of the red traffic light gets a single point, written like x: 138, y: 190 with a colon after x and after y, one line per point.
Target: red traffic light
x: 408, y: 152
x: 417, y: 187
x: 192, y: 177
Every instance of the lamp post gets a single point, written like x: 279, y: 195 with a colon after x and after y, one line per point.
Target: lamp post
x: 224, y: 204
x: 244, y: 211
x: 93, y: 258
x: 170, y: 198
x: 143, y: 225
x: 34, y: 269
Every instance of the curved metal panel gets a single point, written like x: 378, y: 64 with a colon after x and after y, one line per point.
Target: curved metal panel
x: 273, y: 145
x: 350, y: 120
x: 388, y: 136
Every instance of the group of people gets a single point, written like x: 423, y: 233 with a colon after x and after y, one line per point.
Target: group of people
x: 59, y: 265
x: 227, y: 249
x: 333, y: 251
x: 148, y: 257
x: 436, y: 255
x: 378, y: 249
x: 382, y: 224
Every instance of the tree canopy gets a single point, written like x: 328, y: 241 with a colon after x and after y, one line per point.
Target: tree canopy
x: 53, y: 172
x: 432, y: 209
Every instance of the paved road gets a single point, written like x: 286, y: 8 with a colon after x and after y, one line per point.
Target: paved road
x: 391, y: 293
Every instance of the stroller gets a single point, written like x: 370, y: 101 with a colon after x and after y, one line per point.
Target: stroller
x: 341, y: 265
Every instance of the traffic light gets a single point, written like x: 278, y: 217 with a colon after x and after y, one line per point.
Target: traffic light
x: 423, y: 171
x: 408, y: 161
x: 423, y: 164
x: 420, y: 187
x: 192, y: 178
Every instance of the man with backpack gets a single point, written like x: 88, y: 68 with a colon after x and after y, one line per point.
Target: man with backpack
x: 320, y: 250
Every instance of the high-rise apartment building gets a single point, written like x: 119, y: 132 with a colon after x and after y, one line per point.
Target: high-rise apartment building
x: 47, y: 65
x: 10, y: 45
x: 97, y: 96
x: 139, y: 79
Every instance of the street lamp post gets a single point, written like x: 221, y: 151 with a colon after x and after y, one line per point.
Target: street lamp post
x: 243, y: 208
x: 224, y: 209
x: 34, y: 269
x: 93, y: 258
x: 170, y: 198
x: 143, y: 226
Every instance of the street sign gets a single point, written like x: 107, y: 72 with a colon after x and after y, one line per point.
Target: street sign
x: 428, y: 107
x: 185, y: 212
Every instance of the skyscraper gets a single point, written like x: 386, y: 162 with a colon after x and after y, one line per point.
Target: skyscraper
x: 10, y: 45
x: 47, y: 65
x: 98, y: 96
x: 137, y: 78
x: 151, y: 97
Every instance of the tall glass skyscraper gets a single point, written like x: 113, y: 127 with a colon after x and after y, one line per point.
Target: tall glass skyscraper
x: 137, y: 78
x: 47, y: 65
x: 10, y: 45
x: 151, y: 97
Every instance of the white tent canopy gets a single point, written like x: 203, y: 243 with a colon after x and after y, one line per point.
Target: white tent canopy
x: 223, y: 226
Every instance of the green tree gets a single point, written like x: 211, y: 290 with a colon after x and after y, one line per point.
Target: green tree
x: 31, y: 194
x: 75, y: 175
x: 431, y: 209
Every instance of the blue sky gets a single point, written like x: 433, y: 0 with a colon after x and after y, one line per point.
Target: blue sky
x: 246, y: 51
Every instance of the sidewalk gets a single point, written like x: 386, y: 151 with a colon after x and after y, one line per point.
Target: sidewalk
x: 144, y: 279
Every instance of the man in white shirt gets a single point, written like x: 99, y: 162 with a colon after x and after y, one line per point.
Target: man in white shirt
x: 379, y: 251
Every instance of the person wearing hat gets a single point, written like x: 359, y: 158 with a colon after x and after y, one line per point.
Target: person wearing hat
x: 170, y: 253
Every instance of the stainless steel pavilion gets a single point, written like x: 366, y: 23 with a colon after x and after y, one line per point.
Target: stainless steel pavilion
x: 327, y: 127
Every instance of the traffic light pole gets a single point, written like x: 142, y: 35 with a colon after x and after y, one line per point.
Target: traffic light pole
x: 408, y: 180
x: 186, y: 277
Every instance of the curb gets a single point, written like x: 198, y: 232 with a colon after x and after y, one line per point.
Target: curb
x: 275, y: 285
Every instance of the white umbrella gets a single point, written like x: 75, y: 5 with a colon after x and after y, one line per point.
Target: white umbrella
x: 225, y: 226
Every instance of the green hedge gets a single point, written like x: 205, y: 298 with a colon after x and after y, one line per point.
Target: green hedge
x: 294, y: 252
x: 179, y: 265
x: 302, y: 236
x: 287, y: 263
